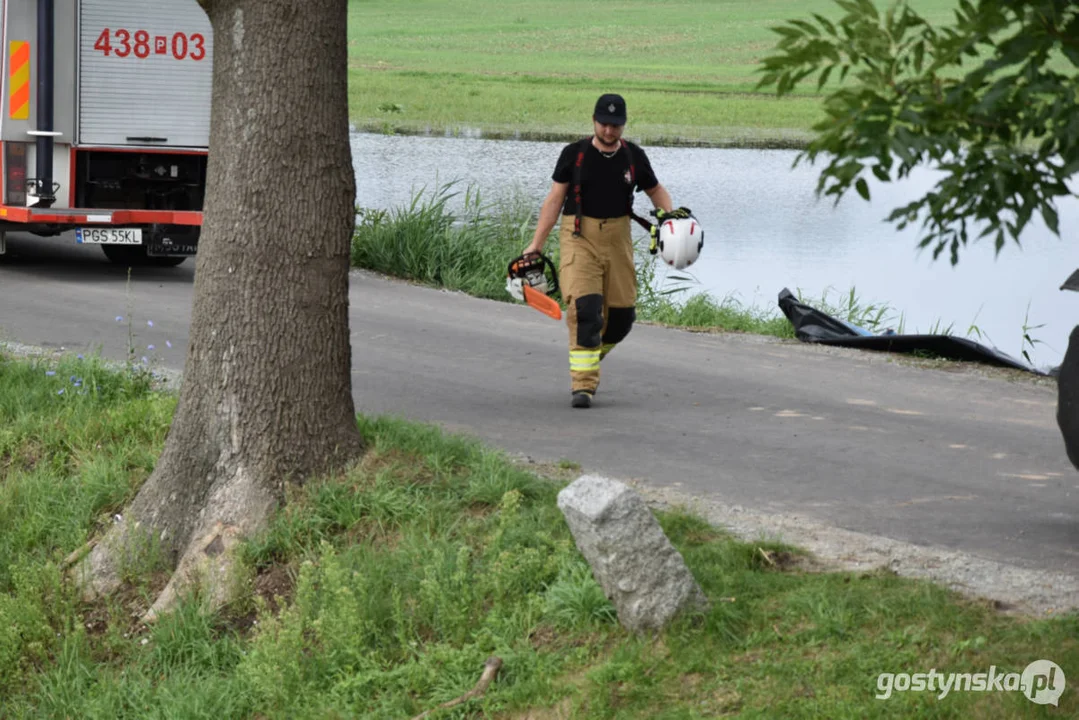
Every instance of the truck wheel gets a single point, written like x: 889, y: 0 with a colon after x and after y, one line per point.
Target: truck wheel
x: 165, y: 261
x: 130, y: 255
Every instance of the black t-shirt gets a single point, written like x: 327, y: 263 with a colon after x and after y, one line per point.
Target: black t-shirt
x: 606, y: 186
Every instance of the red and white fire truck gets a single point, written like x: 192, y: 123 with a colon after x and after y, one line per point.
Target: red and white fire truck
x: 106, y: 123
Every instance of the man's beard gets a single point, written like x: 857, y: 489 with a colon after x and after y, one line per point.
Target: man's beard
x: 606, y: 145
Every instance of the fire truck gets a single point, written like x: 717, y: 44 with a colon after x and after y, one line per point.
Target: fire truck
x: 105, y: 124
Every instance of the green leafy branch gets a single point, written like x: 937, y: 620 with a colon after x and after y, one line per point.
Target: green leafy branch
x: 1004, y: 130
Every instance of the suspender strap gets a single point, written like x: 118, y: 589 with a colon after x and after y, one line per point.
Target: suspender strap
x: 582, y: 147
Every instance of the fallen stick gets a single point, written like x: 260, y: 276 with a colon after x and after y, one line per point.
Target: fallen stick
x: 490, y: 669
x: 77, y: 555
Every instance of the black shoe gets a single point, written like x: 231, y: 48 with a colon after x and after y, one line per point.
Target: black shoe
x: 582, y: 399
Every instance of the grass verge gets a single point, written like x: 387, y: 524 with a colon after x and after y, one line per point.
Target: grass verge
x: 380, y: 592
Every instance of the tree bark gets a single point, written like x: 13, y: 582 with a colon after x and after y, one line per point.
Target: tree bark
x: 266, y: 396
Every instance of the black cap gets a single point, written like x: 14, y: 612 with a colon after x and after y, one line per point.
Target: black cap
x: 610, y: 110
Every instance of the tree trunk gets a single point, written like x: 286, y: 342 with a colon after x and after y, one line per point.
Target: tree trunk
x: 266, y: 396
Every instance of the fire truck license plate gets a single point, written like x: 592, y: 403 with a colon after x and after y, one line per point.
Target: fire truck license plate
x: 109, y: 236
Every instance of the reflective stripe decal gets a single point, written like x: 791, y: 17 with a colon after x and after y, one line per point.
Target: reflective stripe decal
x: 19, y: 85
x: 584, y: 360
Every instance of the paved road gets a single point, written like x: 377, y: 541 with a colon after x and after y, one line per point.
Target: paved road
x: 954, y: 460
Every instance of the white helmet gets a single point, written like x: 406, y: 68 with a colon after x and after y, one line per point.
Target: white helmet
x: 680, y: 241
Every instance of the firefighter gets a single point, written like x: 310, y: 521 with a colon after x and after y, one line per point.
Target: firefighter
x: 592, y: 189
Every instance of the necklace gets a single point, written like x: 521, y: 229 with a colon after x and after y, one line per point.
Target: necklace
x: 611, y: 154
x: 617, y: 147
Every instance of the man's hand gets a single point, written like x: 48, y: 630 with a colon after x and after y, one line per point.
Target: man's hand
x: 529, y: 260
x: 681, y: 213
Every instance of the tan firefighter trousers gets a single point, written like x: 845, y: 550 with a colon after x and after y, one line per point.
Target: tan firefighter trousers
x: 599, y: 287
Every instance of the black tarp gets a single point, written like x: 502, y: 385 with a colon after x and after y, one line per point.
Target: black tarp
x: 812, y: 325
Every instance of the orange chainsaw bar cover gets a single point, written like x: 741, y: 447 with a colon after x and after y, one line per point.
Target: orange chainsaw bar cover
x: 544, y: 303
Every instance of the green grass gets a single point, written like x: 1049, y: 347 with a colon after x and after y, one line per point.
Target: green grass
x: 688, y: 69
x: 380, y: 592
x: 429, y: 243
x: 75, y: 438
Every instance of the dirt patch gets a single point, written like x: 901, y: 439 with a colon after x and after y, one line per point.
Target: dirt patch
x: 275, y: 586
x: 784, y: 561
x: 22, y: 459
x: 122, y: 611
